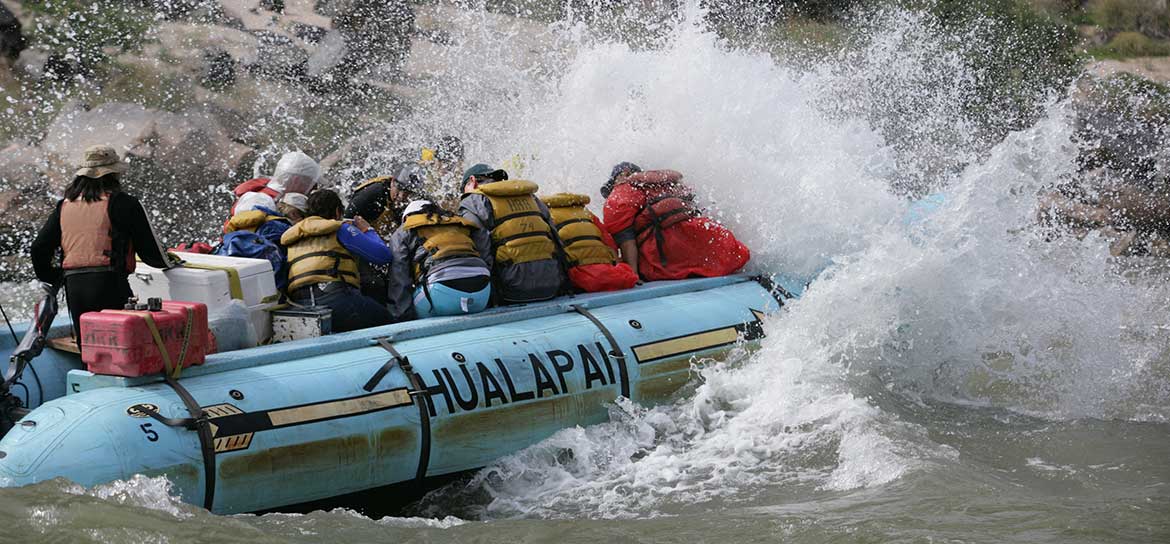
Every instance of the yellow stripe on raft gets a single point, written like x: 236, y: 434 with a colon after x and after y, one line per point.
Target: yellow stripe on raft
x: 315, y: 412
x: 686, y: 344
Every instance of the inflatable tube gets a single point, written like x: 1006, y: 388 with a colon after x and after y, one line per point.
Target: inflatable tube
x: 319, y: 418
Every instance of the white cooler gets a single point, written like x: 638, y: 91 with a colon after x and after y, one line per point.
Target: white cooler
x: 211, y: 279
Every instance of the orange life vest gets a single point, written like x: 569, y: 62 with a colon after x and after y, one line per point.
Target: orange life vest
x: 88, y: 240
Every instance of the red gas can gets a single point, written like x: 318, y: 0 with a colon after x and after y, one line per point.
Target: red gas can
x: 120, y: 342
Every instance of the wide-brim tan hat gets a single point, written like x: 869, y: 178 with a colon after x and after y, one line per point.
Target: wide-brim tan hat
x: 101, y: 160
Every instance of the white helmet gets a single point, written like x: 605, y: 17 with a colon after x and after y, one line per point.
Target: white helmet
x: 415, y: 206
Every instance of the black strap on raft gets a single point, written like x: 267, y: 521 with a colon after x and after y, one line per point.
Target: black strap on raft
x: 418, y: 393
x: 779, y: 293
x: 395, y: 359
x: 197, y: 422
x: 615, y: 349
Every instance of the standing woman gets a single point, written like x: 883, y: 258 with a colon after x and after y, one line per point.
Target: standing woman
x: 98, y: 229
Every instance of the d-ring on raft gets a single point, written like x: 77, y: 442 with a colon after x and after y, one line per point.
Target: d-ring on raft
x: 325, y: 417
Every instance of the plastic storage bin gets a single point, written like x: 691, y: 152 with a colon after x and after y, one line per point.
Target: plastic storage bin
x: 215, y: 280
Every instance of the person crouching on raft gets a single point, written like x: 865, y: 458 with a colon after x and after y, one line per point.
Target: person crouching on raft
x: 322, y: 263
x: 590, y: 251
x: 295, y: 172
x: 526, y: 254
x: 98, y: 228
x: 440, y: 264
x: 293, y: 206
x: 662, y: 234
x: 380, y: 201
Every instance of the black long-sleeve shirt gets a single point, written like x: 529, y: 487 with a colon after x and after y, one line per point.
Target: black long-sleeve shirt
x: 126, y: 216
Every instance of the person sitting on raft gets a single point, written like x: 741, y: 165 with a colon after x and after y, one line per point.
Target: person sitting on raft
x: 293, y: 206
x: 590, y: 251
x: 295, y: 172
x: 660, y: 231
x: 526, y: 256
x: 439, y: 266
x: 322, y: 258
x: 268, y: 223
x: 380, y: 201
x: 99, y: 229
x: 254, y: 233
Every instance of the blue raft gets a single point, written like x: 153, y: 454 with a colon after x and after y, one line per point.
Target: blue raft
x: 293, y: 423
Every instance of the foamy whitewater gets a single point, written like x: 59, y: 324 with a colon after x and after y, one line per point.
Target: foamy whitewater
x: 967, y: 376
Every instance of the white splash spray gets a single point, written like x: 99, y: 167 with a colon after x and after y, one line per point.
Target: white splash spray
x: 973, y: 305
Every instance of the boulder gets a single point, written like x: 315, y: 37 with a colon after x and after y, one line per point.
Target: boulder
x: 188, y: 149
x: 190, y: 41
x: 22, y: 168
x: 11, y: 38
x: 308, y: 33
x: 24, y: 195
x: 279, y: 57
x: 220, y: 69
x: 41, y: 64
x: 171, y: 9
x: 376, y: 32
x: 1122, y: 125
x: 326, y: 70
x: 249, y: 15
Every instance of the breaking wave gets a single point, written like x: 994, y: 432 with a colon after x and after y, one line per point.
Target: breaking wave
x: 975, y: 304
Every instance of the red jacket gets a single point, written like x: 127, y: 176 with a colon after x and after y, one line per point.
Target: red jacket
x: 257, y: 185
x: 674, y: 240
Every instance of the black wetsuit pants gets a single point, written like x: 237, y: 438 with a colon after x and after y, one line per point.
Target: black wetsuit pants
x: 94, y: 292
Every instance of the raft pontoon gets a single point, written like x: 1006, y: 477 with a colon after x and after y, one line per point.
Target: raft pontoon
x: 297, y: 422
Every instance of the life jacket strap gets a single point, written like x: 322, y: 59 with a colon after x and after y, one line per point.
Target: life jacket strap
x: 659, y: 222
x: 562, y: 224
x: 576, y: 239
x: 507, y: 239
x: 334, y: 273
x: 532, y: 213
x: 88, y: 270
x: 335, y: 254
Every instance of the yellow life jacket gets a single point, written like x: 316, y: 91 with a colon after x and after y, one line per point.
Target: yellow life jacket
x: 250, y: 221
x: 579, y: 234
x: 520, y: 235
x: 443, y: 237
x: 387, y: 221
x: 315, y: 255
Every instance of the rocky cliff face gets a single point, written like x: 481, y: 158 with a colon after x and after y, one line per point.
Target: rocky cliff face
x: 196, y: 95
